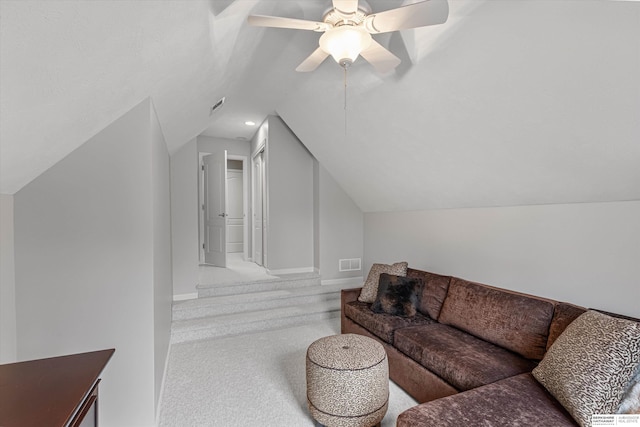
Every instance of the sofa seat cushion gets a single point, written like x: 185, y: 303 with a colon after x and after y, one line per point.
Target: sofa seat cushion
x: 511, y: 320
x: 381, y: 324
x: 518, y: 401
x: 460, y: 359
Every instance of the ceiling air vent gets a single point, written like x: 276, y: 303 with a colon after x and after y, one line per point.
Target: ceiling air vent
x: 217, y: 105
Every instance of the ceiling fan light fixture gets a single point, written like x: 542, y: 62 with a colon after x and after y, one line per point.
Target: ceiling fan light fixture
x: 347, y: 28
x: 345, y: 43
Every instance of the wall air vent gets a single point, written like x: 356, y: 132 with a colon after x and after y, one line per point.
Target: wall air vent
x: 352, y: 264
x: 217, y: 105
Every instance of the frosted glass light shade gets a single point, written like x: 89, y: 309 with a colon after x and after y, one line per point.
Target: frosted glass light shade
x: 345, y: 43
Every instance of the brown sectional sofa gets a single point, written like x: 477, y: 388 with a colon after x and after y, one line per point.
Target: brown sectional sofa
x: 468, y: 352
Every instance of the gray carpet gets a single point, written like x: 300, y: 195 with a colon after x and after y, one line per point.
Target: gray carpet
x: 249, y: 380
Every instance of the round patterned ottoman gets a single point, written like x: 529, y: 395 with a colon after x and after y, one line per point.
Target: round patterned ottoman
x: 347, y: 381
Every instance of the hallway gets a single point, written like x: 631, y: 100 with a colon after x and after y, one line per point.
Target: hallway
x: 237, y: 270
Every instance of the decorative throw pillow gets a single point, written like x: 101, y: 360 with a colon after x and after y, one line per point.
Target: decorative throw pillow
x: 370, y: 289
x: 397, y: 295
x: 589, y: 366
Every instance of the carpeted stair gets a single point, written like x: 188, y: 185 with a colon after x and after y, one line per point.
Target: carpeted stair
x: 245, y: 307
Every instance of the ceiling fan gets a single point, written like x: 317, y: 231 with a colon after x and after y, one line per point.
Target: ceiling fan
x: 348, y: 26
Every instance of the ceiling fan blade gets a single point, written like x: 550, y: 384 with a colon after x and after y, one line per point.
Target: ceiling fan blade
x: 429, y: 12
x: 381, y: 59
x: 346, y: 6
x: 279, y: 22
x: 312, y: 61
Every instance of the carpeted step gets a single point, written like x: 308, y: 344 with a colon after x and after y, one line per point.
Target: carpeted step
x: 227, y: 304
x: 251, y: 306
x: 288, y: 281
x: 253, y: 321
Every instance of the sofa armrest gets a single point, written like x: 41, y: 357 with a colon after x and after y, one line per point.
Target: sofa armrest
x: 349, y: 295
x: 346, y: 296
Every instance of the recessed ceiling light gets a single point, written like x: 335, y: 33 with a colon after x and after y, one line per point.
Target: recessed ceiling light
x: 250, y: 123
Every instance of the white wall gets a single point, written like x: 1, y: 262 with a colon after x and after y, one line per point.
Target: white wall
x: 312, y: 222
x: 208, y: 144
x: 587, y: 254
x: 7, y: 282
x: 88, y: 234
x: 316, y: 215
x: 340, y: 230
x: 290, y: 201
x: 162, y: 262
x: 184, y: 219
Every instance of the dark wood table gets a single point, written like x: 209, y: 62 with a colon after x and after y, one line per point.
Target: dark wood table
x: 56, y: 392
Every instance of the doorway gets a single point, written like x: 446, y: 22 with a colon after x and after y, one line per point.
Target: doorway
x: 224, y: 195
x: 237, y: 206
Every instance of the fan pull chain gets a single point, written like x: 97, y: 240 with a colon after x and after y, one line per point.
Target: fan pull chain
x: 345, y: 102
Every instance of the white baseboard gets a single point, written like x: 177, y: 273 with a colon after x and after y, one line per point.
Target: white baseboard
x: 182, y: 297
x: 291, y: 271
x: 349, y: 281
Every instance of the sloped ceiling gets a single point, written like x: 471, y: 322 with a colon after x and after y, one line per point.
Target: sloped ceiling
x: 510, y: 102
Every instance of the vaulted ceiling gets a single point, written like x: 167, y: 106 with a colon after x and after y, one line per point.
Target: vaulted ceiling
x: 510, y: 102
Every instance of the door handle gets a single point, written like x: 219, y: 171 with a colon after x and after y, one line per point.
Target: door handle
x: 223, y: 215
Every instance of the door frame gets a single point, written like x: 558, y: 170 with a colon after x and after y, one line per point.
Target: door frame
x: 261, y: 148
x: 201, y: 227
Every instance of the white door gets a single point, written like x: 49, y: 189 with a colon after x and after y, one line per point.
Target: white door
x: 215, y: 209
x: 258, y: 210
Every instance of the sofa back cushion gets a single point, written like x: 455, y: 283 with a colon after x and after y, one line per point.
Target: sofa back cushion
x: 563, y: 315
x: 514, y: 321
x: 433, y: 293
